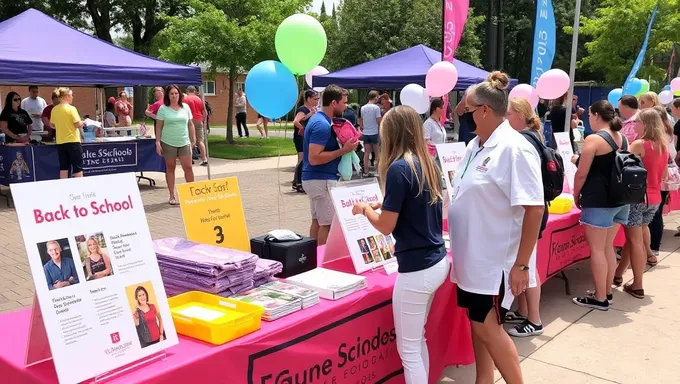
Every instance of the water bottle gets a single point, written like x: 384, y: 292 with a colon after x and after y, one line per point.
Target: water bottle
x: 2, y: 138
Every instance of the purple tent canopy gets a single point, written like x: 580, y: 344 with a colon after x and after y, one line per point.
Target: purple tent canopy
x: 399, y: 69
x: 36, y: 49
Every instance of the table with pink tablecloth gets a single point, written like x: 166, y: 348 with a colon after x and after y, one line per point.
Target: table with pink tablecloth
x: 350, y: 340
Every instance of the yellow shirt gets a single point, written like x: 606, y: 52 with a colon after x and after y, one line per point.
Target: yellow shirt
x: 63, y: 117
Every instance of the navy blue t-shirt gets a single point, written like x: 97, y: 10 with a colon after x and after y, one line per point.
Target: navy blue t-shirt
x: 319, y: 131
x: 467, y: 128
x: 419, y: 226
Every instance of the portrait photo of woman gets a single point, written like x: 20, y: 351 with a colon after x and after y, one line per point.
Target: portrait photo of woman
x: 147, y: 319
x: 377, y: 257
x: 97, y: 263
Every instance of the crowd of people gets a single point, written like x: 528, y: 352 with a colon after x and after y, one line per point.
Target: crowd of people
x: 498, y: 210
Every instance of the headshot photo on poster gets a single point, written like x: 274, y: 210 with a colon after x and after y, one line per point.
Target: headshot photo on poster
x: 61, y: 270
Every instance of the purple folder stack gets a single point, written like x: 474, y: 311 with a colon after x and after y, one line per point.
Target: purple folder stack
x: 188, y: 266
x: 265, y: 270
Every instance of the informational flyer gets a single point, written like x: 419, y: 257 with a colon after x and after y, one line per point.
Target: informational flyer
x: 213, y: 213
x: 567, y: 152
x: 368, y: 248
x: 95, y: 272
x: 450, y: 156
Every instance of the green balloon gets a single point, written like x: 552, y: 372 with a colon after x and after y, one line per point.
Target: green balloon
x: 676, y: 93
x: 644, y: 88
x: 300, y: 43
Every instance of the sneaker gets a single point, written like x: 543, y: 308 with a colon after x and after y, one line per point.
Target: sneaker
x: 590, y: 302
x: 610, y: 297
x: 204, y: 163
x: 514, y: 317
x: 526, y: 329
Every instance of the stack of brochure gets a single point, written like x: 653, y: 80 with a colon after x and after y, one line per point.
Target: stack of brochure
x: 275, y: 304
x: 309, y: 296
x: 331, y: 285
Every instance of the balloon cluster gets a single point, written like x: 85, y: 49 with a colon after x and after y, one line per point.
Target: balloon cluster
x: 440, y: 79
x: 551, y: 85
x: 300, y: 45
x: 636, y: 88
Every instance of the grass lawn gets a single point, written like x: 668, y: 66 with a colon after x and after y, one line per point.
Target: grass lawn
x: 250, y: 148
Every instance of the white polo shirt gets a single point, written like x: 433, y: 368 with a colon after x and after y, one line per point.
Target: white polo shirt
x: 493, y: 183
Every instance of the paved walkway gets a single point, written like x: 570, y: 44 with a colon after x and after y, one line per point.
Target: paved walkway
x: 637, y: 341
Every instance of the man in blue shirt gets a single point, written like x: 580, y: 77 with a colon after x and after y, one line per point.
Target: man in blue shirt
x: 60, y: 271
x: 320, y: 160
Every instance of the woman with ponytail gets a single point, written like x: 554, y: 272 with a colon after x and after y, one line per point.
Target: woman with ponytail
x: 494, y: 220
x: 412, y: 212
x: 600, y: 216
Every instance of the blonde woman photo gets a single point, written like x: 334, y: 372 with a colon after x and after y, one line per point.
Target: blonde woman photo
x: 412, y: 213
x: 97, y: 263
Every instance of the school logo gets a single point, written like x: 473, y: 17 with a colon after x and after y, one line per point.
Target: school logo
x: 486, y: 161
x: 482, y: 167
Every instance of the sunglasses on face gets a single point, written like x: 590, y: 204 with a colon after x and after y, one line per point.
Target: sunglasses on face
x: 16, y: 99
x: 472, y: 109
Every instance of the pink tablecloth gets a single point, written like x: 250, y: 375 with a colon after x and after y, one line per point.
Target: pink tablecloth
x: 344, y: 341
x: 563, y: 244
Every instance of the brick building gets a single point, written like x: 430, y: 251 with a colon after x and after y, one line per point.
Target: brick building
x: 216, y: 93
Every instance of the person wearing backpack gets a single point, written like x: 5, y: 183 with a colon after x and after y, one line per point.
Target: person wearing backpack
x: 652, y: 147
x: 601, y: 214
x: 527, y: 316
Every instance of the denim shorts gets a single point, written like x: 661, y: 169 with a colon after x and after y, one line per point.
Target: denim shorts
x: 641, y: 214
x: 371, y: 139
x: 605, y: 217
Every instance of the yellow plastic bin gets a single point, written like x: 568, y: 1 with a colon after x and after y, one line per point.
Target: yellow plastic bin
x: 213, y: 319
x: 561, y: 205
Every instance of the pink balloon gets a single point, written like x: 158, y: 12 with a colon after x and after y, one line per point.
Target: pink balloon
x: 675, y: 85
x: 533, y: 100
x: 441, y: 78
x: 522, y: 91
x: 553, y: 84
x: 316, y: 71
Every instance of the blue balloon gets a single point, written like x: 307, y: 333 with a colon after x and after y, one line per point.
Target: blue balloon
x: 634, y: 87
x: 667, y: 88
x: 614, y: 96
x: 271, y: 89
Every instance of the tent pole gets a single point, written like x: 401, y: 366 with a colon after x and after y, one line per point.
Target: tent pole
x: 205, y: 134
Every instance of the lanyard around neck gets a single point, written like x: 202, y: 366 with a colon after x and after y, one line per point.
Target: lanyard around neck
x: 469, y: 160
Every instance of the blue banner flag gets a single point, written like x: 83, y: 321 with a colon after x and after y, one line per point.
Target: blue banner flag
x: 544, y: 40
x: 641, y: 56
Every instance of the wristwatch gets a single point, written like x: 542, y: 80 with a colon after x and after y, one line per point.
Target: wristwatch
x: 522, y: 267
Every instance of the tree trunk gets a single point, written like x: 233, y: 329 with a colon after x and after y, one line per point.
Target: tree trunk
x: 140, y: 102
x: 230, y: 107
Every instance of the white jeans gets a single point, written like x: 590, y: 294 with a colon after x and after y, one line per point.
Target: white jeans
x: 411, y: 300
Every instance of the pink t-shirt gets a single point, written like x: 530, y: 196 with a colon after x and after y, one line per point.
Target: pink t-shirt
x: 628, y: 129
x: 655, y: 163
x: 153, y: 108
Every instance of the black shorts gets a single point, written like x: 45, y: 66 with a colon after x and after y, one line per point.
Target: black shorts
x: 478, y: 306
x: 298, y: 140
x: 70, y: 157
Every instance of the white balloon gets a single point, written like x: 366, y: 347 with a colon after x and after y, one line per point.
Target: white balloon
x: 415, y: 97
x: 317, y: 71
x: 665, y: 97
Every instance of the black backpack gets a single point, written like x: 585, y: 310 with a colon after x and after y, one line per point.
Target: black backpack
x: 552, y: 166
x: 628, y: 182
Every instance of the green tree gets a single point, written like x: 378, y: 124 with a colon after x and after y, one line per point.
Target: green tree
x: 322, y: 14
x: 615, y: 43
x: 229, y: 36
x: 9, y: 9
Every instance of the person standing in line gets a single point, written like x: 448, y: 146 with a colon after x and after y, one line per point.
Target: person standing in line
x: 600, y: 217
x: 15, y: 123
x: 369, y: 123
x: 628, y: 109
x: 652, y: 148
x: 199, y: 113
x: 466, y: 126
x: 68, y: 124
x: 320, y: 160
x: 657, y: 225
x: 433, y: 129
x: 175, y: 136
x: 47, y: 115
x: 648, y: 100
x: 412, y: 212
x: 152, y: 110
x: 305, y: 111
x: 241, y: 105
x: 558, y: 115
x: 494, y: 221
x: 262, y: 123
x: 124, y: 110
x: 527, y: 316
x: 34, y: 105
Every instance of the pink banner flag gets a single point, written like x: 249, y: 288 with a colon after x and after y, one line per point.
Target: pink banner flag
x: 454, y: 14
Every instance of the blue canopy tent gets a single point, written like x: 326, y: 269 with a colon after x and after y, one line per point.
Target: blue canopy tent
x: 36, y: 49
x: 399, y: 69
